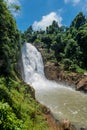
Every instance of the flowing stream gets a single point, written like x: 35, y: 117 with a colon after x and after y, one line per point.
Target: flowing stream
x: 63, y: 101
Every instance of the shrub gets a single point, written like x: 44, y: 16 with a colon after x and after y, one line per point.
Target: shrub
x: 8, y: 120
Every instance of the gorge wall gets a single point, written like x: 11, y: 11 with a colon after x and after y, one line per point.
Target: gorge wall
x: 79, y: 81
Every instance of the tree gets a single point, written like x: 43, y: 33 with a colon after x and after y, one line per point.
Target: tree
x: 9, y: 45
x: 82, y: 42
x: 78, y: 21
x: 47, y: 40
x: 54, y: 28
x: 72, y: 51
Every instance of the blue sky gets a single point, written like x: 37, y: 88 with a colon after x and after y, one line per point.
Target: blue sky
x: 41, y: 13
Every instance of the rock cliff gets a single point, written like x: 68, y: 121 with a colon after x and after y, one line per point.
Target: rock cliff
x: 79, y: 81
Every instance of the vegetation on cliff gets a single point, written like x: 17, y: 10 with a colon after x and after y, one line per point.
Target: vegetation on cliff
x: 18, y: 108
x: 66, y: 46
x: 9, y: 41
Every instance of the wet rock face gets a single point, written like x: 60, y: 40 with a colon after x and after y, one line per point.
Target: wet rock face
x: 51, y: 71
x: 82, y: 84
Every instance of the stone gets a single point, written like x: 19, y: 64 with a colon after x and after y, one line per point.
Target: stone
x: 82, y: 84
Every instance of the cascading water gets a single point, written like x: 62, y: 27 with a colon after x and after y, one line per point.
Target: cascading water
x: 63, y: 101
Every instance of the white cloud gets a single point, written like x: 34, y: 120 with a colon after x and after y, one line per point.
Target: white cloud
x: 72, y: 1
x: 12, y: 1
x: 47, y: 20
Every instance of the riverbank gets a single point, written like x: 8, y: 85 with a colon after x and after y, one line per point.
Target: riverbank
x: 77, y: 81
x: 55, y: 124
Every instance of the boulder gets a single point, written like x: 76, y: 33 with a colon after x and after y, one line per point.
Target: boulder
x: 51, y: 71
x: 82, y: 84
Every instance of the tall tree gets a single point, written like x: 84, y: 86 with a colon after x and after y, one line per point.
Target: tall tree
x: 78, y: 21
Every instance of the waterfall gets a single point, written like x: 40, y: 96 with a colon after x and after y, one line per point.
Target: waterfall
x: 34, y: 68
x: 33, y: 64
x: 63, y: 101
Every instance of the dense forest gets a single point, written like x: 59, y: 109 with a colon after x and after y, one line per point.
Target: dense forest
x: 67, y: 46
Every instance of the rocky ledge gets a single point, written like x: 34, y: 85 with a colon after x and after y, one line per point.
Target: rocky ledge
x: 53, y: 72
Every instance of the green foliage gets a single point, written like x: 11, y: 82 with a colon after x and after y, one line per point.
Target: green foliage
x: 71, y: 49
x: 8, y: 120
x: 18, y: 108
x: 9, y: 45
x: 78, y: 21
x: 67, y: 46
x: 67, y: 63
x: 54, y: 28
x: 82, y: 42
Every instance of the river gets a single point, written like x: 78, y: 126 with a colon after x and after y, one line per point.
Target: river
x: 63, y: 101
